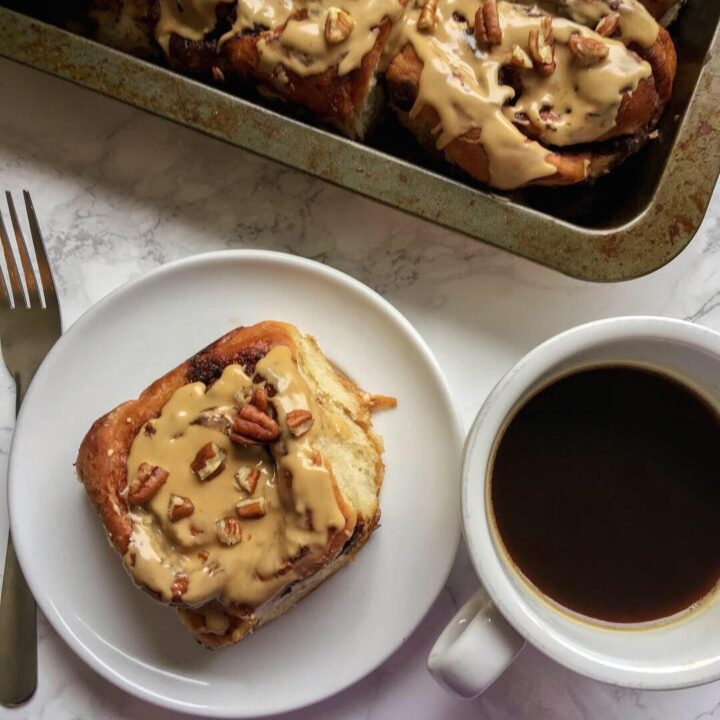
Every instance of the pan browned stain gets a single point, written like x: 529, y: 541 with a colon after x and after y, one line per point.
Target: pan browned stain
x: 636, y: 222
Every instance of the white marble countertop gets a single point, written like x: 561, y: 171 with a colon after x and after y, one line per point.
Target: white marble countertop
x: 120, y: 192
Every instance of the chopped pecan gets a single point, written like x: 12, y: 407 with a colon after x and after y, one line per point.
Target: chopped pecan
x: 180, y: 507
x: 428, y: 16
x: 338, y: 26
x: 586, y: 50
x: 608, y: 25
x: 247, y: 479
x: 229, y: 531
x: 520, y: 59
x: 299, y: 421
x: 179, y: 587
x: 251, y: 508
x: 209, y: 462
x: 147, y: 481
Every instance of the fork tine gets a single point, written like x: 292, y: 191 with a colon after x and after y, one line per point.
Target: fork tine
x: 46, y: 279
x: 30, y: 281
x: 16, y: 291
x: 4, y: 294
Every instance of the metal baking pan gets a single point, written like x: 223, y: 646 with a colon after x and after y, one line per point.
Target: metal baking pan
x: 627, y: 224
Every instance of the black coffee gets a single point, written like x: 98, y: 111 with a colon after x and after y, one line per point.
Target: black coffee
x: 606, y: 493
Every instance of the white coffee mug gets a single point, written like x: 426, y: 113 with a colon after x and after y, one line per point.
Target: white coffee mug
x: 491, y: 628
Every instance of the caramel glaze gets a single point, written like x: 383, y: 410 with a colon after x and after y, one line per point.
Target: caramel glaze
x: 461, y: 80
x: 306, y: 520
x: 300, y: 46
x: 576, y: 104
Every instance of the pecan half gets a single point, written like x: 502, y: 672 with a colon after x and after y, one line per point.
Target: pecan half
x: 247, y: 479
x: 428, y: 16
x: 338, y: 26
x: 229, y: 531
x: 541, y: 44
x: 147, y: 481
x: 587, y: 51
x: 608, y: 25
x: 299, y: 421
x: 252, y: 426
x: 209, y: 462
x: 251, y: 508
x: 487, y: 24
x: 180, y: 507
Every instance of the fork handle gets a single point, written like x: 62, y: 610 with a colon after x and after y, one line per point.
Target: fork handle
x: 18, y: 635
x: 18, y: 619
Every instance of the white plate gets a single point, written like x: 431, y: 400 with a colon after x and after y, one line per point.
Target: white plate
x: 353, y: 622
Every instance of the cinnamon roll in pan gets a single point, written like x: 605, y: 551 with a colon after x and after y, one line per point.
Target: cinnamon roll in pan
x: 315, y: 57
x: 540, y: 98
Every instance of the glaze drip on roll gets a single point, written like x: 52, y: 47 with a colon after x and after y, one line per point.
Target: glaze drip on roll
x: 311, y: 36
x: 532, y: 76
x: 464, y: 79
x: 260, y: 514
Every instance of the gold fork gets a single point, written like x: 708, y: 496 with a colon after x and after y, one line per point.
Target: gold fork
x: 29, y: 326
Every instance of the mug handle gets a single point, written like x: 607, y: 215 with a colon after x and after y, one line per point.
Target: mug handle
x: 475, y: 648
